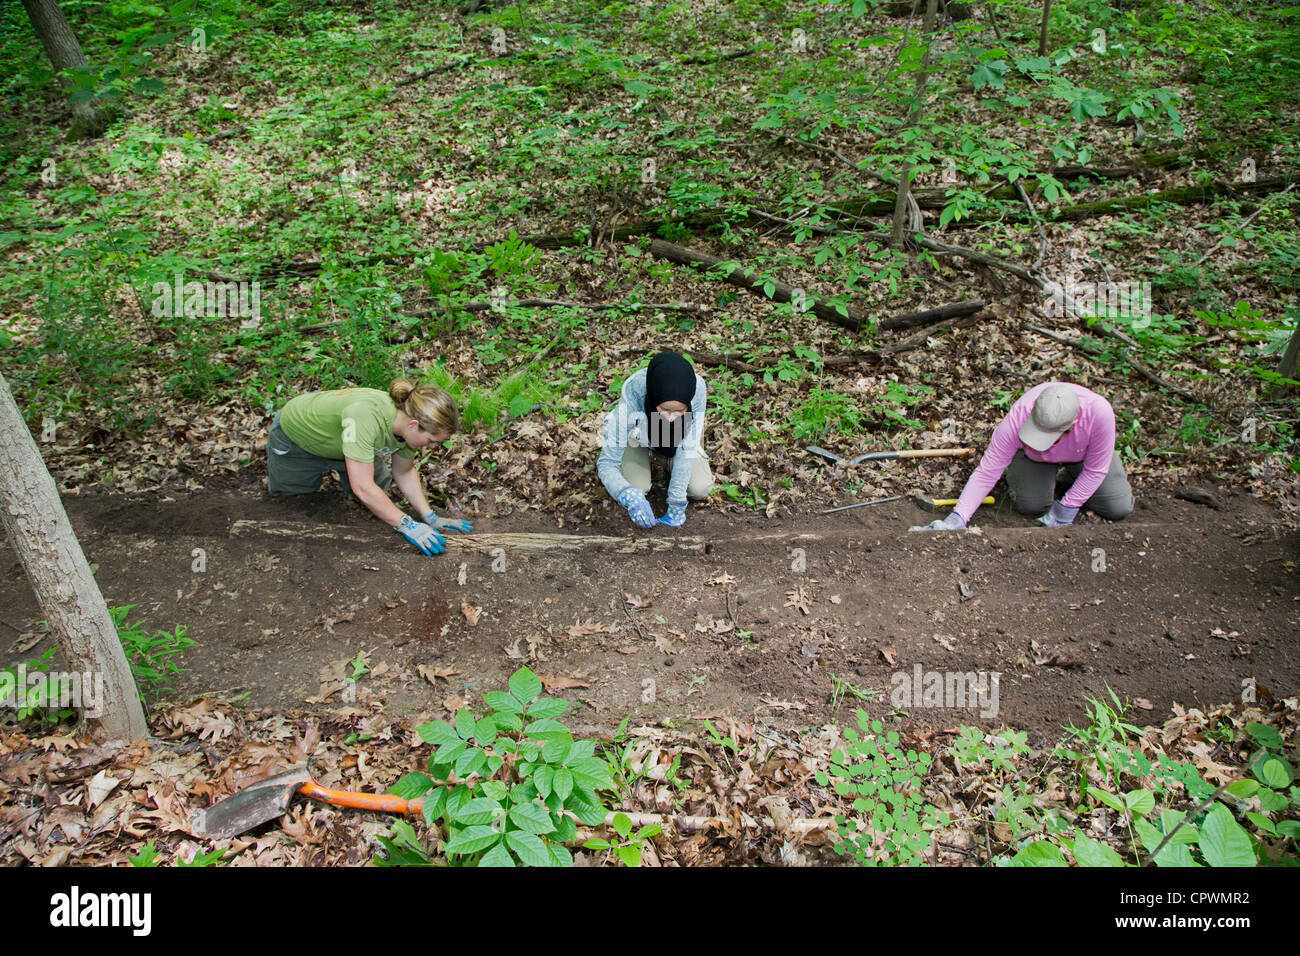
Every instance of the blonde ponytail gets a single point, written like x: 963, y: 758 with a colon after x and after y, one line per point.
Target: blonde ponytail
x: 429, y: 405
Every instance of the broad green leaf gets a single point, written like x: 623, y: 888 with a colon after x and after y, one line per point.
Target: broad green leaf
x: 1290, y: 828
x: 485, y: 731
x: 447, y: 753
x: 590, y: 772
x: 555, y: 750
x: 547, y: 707
x: 1107, y: 798
x: 471, y: 761
x: 1270, y: 801
x: 563, y: 783
x: 479, y: 811
x: 1089, y: 852
x: 560, y: 856
x: 411, y: 785
x: 1243, y: 789
x: 464, y: 724
x: 472, y: 840
x: 1276, y: 773
x: 496, y: 789
x: 1140, y: 802
x: 437, y: 732
x: 1223, y: 840
x: 509, y: 721
x: 529, y: 847
x: 531, y: 818
x: 525, y: 685
x: 630, y: 855
x: 547, y: 729
x: 581, y: 749
x: 497, y: 856
x: 622, y: 825
x: 544, y: 780
x: 582, y: 803
x: 506, y: 703
x: 433, y: 805
x: 1262, y: 822
x: 1266, y: 736
x: 1039, y: 853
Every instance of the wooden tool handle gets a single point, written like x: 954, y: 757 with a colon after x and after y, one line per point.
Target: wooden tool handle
x: 933, y: 452
x: 382, y: 802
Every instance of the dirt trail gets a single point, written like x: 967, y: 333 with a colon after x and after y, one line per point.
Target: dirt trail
x: 1185, y: 608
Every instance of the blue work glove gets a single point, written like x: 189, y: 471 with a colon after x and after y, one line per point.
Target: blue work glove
x: 675, y: 517
x: 954, y: 522
x: 1058, y: 516
x: 447, y: 524
x: 421, y: 535
x: 634, y: 500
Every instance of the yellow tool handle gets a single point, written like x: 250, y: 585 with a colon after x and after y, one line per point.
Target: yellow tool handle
x: 952, y: 501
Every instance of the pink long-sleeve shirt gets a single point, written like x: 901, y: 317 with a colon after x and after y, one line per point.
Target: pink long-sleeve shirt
x: 1090, y: 440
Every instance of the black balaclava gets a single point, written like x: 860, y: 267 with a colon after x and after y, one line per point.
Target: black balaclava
x: 668, y: 378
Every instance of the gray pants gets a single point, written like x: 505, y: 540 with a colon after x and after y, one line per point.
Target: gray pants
x: 1033, y: 486
x: 292, y: 471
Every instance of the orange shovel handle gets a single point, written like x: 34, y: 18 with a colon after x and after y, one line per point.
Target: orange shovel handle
x: 382, y: 802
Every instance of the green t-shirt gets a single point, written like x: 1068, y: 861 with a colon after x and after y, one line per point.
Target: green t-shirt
x: 354, y: 423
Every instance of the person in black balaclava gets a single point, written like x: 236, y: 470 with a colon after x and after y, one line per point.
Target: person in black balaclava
x: 661, y: 411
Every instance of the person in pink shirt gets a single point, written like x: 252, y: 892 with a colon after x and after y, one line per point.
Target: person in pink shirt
x: 1052, y: 425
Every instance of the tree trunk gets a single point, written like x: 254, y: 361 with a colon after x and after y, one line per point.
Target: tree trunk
x: 1287, y: 367
x: 44, y: 542
x: 64, y: 51
x: 899, y: 229
x: 1042, y: 29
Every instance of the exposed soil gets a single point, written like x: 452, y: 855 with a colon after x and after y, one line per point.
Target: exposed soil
x: 1191, y: 603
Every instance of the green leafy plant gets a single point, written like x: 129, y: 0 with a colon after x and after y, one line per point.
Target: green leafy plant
x: 891, y: 816
x: 629, y: 845
x: 150, y: 655
x: 508, y: 788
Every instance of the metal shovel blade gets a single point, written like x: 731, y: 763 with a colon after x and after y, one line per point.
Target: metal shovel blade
x: 255, y: 804
x: 824, y: 453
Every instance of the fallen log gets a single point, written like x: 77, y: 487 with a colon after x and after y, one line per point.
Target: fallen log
x: 514, y: 543
x: 911, y: 320
x: 1181, y: 196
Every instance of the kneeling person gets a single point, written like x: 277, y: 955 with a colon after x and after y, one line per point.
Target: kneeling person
x: 353, y: 432
x: 660, y: 413
x: 1053, y: 425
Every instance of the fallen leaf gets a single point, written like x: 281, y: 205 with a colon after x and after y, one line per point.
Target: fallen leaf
x: 100, y: 786
x: 454, y: 703
x: 589, y: 626
x: 888, y: 655
x: 638, y: 601
x: 431, y: 674
x: 647, y: 690
x: 471, y: 613
x: 1143, y: 703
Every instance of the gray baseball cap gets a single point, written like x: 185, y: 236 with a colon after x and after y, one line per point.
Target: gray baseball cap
x: 1055, y: 410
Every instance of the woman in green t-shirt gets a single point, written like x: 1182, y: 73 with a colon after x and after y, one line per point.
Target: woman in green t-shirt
x: 352, y: 432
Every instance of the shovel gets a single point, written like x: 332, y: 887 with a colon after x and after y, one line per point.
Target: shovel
x: 269, y: 798
x: 881, y: 455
